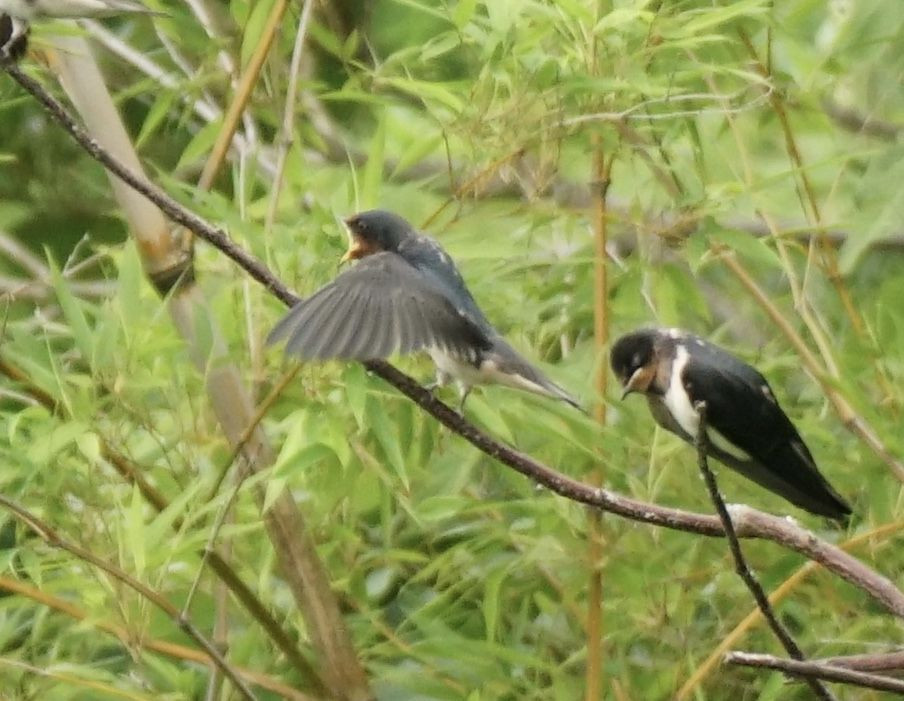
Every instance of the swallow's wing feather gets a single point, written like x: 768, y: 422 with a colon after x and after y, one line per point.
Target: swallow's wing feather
x: 379, y: 307
x: 739, y: 402
x: 428, y: 257
x: 741, y: 407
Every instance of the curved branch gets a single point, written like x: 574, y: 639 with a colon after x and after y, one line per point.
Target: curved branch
x: 816, y: 670
x: 54, y: 540
x: 748, y: 522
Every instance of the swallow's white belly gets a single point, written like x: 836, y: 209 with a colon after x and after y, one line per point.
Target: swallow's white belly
x: 678, y: 402
x: 468, y: 374
x: 453, y: 367
x: 676, y: 398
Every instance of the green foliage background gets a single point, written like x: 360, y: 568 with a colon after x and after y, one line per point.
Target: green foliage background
x: 459, y: 579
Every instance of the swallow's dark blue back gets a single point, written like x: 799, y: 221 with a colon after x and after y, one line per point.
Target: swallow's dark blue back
x: 429, y: 258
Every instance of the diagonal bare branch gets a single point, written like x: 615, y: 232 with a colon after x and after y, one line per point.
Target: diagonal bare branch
x: 816, y: 670
x: 748, y: 523
x: 741, y: 566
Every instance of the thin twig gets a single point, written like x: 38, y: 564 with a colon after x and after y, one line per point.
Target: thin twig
x: 72, y: 682
x: 749, y: 524
x: 242, y: 95
x: 829, y: 255
x: 135, y: 475
x: 852, y: 120
x: 204, y: 107
x: 126, y: 637
x: 54, y: 540
x: 870, y: 662
x: 288, y: 124
x: 600, y: 186
x: 753, y: 584
x: 851, y: 420
x: 873, y: 536
x: 237, y: 450
x: 225, y: 58
x: 812, y: 671
x: 24, y: 258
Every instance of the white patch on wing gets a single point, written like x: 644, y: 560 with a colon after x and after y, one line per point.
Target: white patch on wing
x: 802, y: 453
x: 726, y: 446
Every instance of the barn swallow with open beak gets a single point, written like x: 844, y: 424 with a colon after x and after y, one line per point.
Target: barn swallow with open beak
x: 404, y: 295
x: 746, y: 428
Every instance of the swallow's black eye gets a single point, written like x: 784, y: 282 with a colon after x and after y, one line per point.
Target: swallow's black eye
x: 635, y: 361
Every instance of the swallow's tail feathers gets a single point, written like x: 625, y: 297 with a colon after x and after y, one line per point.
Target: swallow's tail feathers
x: 509, y: 368
x: 799, y: 471
x: 379, y: 307
x: 790, y: 472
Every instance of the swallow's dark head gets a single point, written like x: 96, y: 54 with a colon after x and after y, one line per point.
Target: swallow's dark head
x: 374, y: 231
x: 633, y: 360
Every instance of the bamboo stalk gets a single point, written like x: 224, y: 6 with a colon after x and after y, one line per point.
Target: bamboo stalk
x: 167, y: 258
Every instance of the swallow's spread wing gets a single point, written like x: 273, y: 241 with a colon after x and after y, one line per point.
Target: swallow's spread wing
x: 379, y: 307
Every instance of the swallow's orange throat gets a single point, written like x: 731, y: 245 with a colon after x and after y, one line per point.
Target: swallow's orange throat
x: 358, y: 248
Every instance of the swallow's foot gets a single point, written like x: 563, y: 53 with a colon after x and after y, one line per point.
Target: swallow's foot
x: 441, y: 380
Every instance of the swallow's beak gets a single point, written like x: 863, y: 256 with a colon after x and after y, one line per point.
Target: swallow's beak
x: 638, y: 382
x: 355, y: 251
x: 356, y: 248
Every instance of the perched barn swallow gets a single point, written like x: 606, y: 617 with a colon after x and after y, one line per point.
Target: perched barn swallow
x: 746, y: 428
x: 405, y: 294
x: 23, y: 12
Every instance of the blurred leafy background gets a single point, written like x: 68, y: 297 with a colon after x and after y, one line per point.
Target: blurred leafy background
x: 479, y: 119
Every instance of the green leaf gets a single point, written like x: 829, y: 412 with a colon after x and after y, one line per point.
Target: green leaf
x: 482, y: 410
x: 427, y: 91
x: 61, y: 437
x: 356, y: 391
x: 373, y: 168
x: 384, y: 431
x: 491, y: 588
x: 200, y: 144
x: 417, y: 151
x: 161, y: 110
x: 463, y: 12
x: 135, y: 535
x: 254, y: 28
x: 748, y: 246
x: 73, y: 311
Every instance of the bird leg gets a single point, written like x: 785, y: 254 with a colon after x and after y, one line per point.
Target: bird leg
x: 442, y: 379
x: 465, y: 391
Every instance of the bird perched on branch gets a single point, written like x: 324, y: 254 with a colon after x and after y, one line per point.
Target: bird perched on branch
x: 23, y: 12
x: 404, y: 295
x: 746, y: 428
